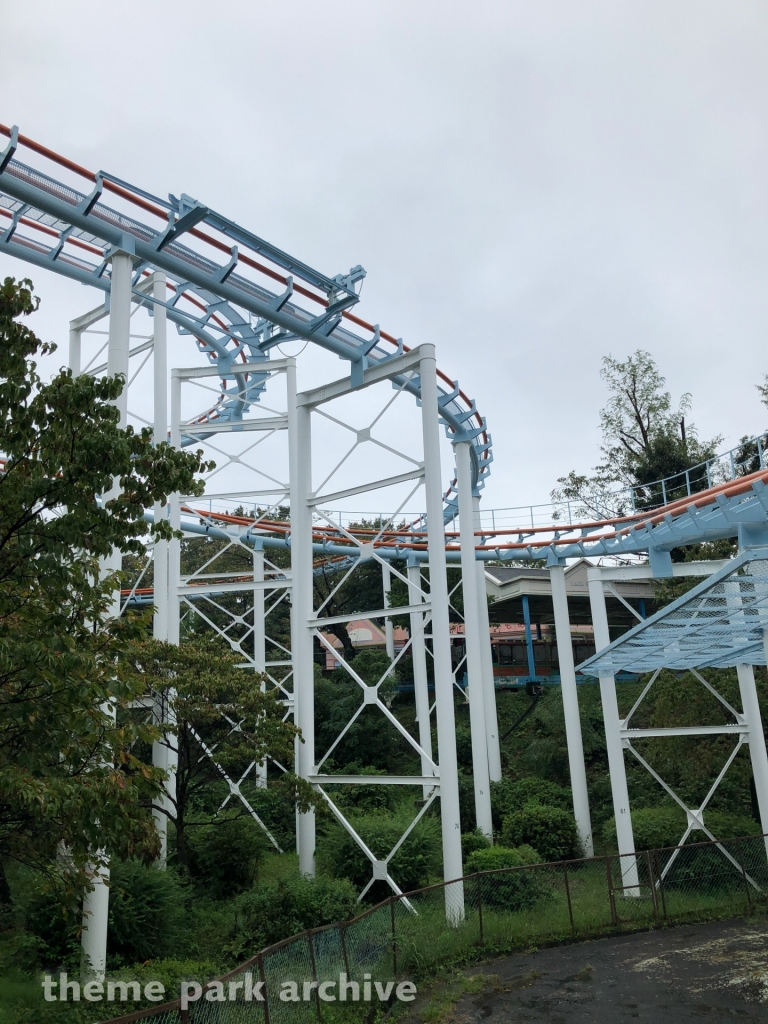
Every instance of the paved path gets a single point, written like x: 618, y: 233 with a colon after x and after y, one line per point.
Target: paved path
x: 712, y: 972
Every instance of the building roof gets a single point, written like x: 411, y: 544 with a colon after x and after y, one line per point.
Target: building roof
x: 720, y: 623
x: 506, y: 586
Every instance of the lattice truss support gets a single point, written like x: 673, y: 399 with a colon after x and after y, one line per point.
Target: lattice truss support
x: 233, y: 583
x: 314, y: 490
x: 739, y: 728
x: 745, y: 727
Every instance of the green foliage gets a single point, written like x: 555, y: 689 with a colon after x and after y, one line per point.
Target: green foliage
x: 224, y: 855
x: 286, y: 906
x: 645, y: 437
x: 657, y: 827
x: 68, y: 774
x: 550, y: 830
x: 206, y: 693
x: 513, y: 890
x: 511, y: 795
x: 363, y: 799
x: 472, y: 841
x: 146, y: 912
x: 417, y: 860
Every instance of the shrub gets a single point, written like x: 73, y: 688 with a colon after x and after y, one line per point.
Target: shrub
x: 286, y: 906
x: 657, y: 827
x: 224, y: 856
x: 146, y: 910
x: 508, y: 796
x: 363, y: 799
x: 417, y: 860
x: 471, y: 841
x: 513, y: 890
x: 550, y: 830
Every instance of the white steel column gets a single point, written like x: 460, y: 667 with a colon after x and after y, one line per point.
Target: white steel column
x: 174, y: 517
x: 302, y: 606
x: 75, y: 348
x: 438, y: 585
x: 757, y: 753
x: 160, y: 364
x: 489, y: 685
x: 625, y: 838
x: 420, y: 681
x: 259, y: 639
x: 96, y: 902
x: 571, y: 709
x: 473, y: 641
x: 389, y: 633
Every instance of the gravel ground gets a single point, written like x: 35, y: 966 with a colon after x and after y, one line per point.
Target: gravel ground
x: 711, y: 972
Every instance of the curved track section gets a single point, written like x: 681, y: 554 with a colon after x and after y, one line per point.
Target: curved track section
x: 221, y: 291
x: 221, y: 280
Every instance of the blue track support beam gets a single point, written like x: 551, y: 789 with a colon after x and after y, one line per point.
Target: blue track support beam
x: 529, y: 637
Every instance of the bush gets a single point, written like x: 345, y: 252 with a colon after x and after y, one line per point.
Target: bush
x: 146, y: 912
x: 286, y: 906
x: 417, y: 860
x: 224, y: 856
x: 513, y: 890
x: 550, y: 830
x: 471, y: 841
x: 656, y: 827
x: 509, y: 796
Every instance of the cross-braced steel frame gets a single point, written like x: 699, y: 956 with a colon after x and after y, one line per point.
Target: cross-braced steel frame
x: 215, y: 281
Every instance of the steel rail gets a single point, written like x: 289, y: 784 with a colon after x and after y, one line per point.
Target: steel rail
x: 84, y: 219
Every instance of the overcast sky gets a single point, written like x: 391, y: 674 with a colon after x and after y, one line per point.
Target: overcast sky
x: 529, y: 185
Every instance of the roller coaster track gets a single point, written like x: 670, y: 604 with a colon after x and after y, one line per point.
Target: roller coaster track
x: 712, y: 514
x: 234, y: 315
x: 226, y: 307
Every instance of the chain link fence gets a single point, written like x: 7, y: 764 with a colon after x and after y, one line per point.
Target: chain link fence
x: 406, y: 936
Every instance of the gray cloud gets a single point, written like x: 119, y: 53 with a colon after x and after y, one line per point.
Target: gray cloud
x: 530, y: 186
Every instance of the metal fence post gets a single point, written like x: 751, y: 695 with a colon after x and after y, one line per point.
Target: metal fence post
x: 652, y: 884
x: 661, y: 884
x: 480, y: 906
x: 313, y: 965
x: 568, y: 896
x: 263, y: 979
x: 611, y: 900
x: 343, y: 941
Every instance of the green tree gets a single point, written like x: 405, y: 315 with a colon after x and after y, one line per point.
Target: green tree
x: 68, y: 776
x: 224, y: 723
x: 645, y: 439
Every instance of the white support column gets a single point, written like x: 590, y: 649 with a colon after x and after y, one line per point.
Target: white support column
x: 489, y: 686
x: 757, y: 753
x: 259, y: 640
x: 446, y: 726
x: 625, y: 838
x: 160, y: 365
x: 473, y: 640
x: 75, y: 348
x: 389, y: 633
x: 174, y: 517
x: 96, y: 902
x: 571, y: 710
x: 302, y: 606
x: 420, y: 681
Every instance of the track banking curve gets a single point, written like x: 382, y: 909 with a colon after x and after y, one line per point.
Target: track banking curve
x: 226, y: 307
x: 235, y: 317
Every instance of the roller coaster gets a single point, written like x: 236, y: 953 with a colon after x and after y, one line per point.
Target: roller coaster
x: 240, y: 299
